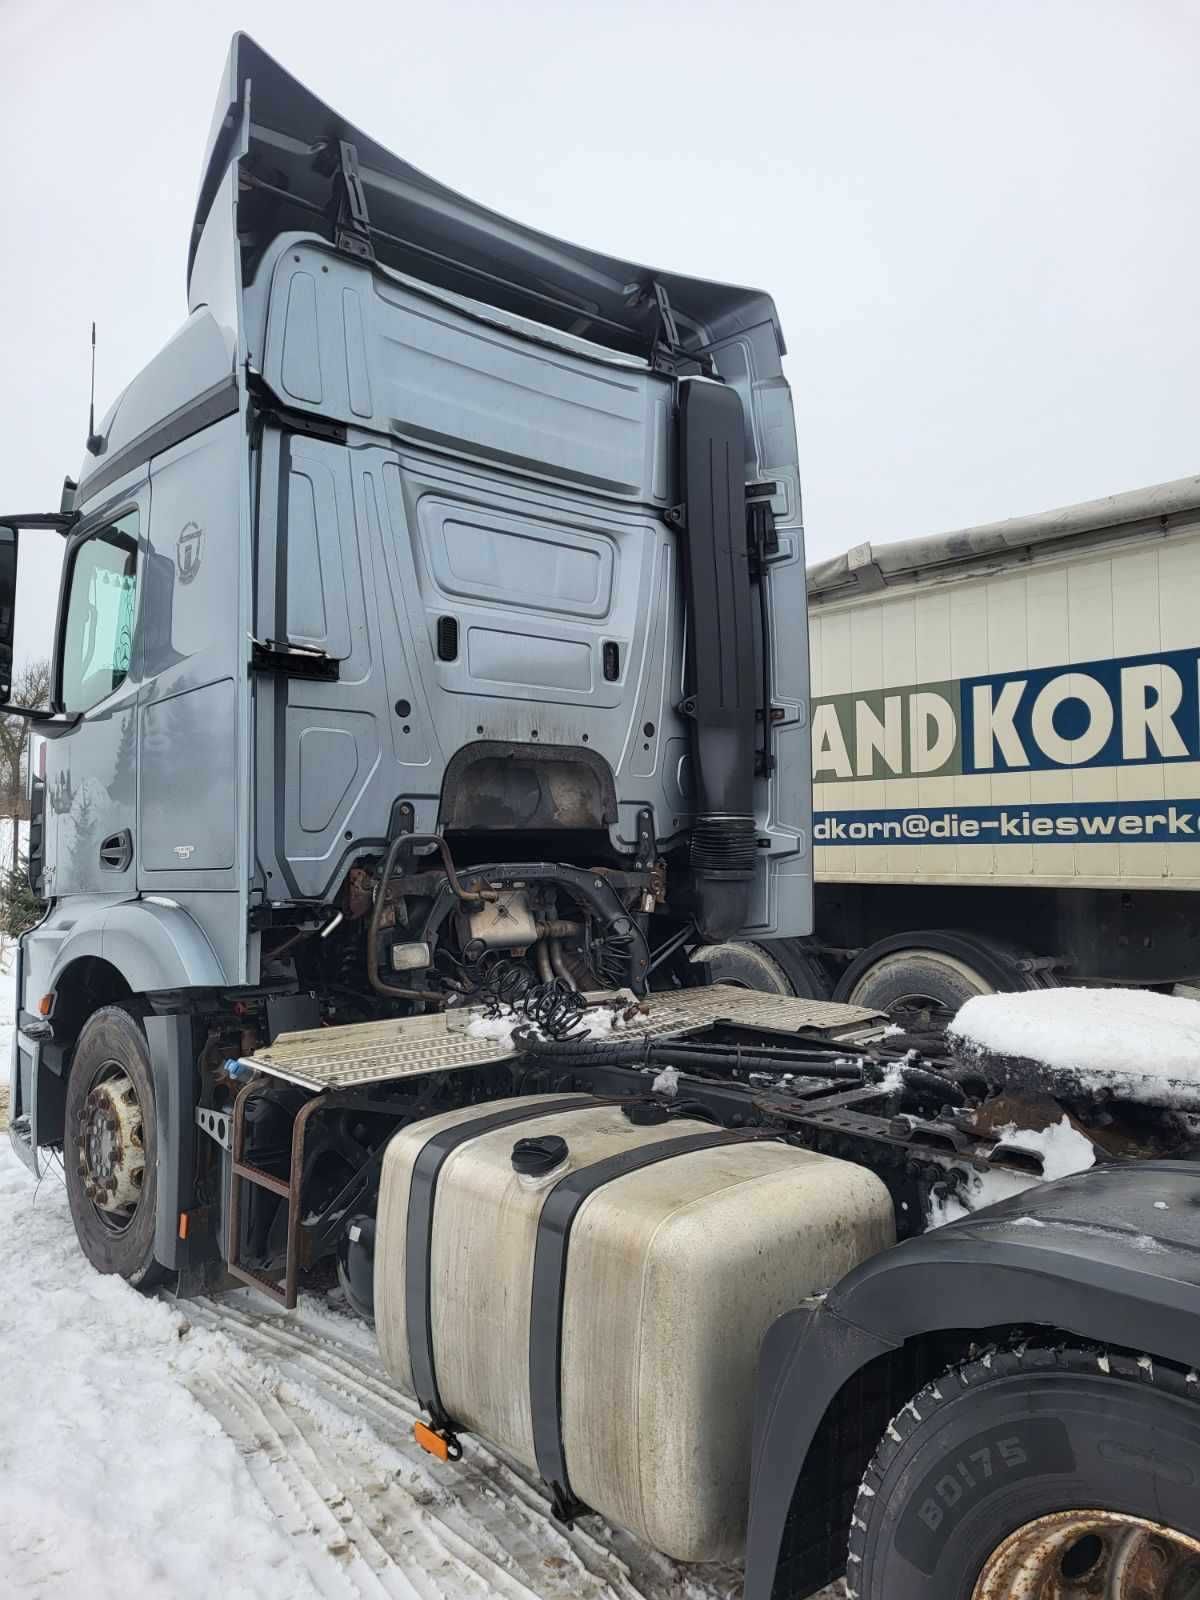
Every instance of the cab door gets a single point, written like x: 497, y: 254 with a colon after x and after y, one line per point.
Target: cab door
x: 91, y: 770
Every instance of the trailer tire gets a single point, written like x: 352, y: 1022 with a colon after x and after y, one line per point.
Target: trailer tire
x: 781, y: 967
x: 923, y: 978
x: 111, y: 1137
x: 974, y: 1463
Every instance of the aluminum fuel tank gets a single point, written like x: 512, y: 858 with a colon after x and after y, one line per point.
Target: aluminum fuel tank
x: 599, y: 1314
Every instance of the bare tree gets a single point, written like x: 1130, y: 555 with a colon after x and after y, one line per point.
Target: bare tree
x: 31, y: 687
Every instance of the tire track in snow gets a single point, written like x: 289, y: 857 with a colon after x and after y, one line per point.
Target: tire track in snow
x: 479, y: 1498
x: 326, y: 1435
x: 299, y: 1492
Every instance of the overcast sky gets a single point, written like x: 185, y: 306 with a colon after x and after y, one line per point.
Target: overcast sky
x: 979, y: 221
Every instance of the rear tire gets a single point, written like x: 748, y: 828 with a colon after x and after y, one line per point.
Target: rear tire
x: 781, y: 967
x: 111, y: 1063
x: 997, y: 1444
x: 921, y: 979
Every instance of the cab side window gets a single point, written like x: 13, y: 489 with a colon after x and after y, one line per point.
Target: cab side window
x: 101, y: 607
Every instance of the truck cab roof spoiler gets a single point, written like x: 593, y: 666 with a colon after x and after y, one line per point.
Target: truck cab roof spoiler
x: 300, y: 160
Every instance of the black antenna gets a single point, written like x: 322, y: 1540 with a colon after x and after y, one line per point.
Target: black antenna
x: 95, y: 441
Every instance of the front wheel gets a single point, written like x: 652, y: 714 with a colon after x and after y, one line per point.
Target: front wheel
x: 110, y: 1147
x: 1057, y: 1474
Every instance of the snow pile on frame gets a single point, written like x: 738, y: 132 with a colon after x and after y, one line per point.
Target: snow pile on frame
x: 1127, y: 1044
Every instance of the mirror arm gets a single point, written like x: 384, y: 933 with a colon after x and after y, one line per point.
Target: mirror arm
x: 63, y: 521
x: 46, y: 723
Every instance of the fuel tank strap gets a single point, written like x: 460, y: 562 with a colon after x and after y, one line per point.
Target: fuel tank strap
x: 550, y: 1281
x: 418, y: 1303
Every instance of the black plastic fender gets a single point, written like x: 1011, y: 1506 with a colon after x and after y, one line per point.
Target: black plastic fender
x: 1111, y: 1255
x: 176, y: 1095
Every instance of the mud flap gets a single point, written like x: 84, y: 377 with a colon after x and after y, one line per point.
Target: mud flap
x: 172, y: 1064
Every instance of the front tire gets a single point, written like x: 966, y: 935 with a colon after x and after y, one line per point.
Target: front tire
x: 994, y: 1453
x: 110, y: 1147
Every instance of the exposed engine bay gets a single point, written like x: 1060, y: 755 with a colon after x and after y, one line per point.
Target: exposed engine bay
x: 412, y: 932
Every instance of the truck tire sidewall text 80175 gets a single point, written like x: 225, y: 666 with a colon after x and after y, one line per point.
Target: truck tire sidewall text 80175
x: 1002, y: 1441
x: 112, y: 1041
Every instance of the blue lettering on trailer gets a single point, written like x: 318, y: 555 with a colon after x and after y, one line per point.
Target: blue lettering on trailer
x: 1131, y: 711
x: 1099, y: 714
x: 1067, y: 822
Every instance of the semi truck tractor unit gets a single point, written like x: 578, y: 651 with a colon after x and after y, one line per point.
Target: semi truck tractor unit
x: 1006, y: 753
x: 430, y: 689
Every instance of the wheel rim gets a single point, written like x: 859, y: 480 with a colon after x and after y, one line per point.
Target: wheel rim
x: 920, y: 1013
x: 110, y: 1149
x: 1092, y: 1555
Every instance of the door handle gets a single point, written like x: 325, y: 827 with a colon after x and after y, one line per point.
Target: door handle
x: 116, y: 852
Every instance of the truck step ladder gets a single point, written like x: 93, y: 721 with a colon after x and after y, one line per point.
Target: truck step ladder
x: 286, y: 1189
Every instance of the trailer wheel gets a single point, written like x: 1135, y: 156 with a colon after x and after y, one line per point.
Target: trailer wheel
x: 110, y: 1147
x: 1063, y: 1474
x: 781, y: 967
x: 921, y: 979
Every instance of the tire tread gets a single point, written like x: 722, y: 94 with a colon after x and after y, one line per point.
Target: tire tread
x: 149, y: 1273
x: 993, y: 1364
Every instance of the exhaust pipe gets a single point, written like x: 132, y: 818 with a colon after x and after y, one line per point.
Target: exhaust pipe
x: 722, y: 682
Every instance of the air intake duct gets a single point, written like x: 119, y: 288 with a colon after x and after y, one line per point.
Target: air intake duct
x: 722, y: 681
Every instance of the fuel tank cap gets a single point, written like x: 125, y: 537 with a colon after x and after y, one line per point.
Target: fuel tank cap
x: 533, y: 1158
x: 646, y: 1113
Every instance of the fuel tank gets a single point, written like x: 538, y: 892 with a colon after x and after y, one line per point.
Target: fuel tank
x: 588, y: 1290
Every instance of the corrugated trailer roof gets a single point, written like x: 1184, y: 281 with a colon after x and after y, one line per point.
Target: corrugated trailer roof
x: 868, y: 568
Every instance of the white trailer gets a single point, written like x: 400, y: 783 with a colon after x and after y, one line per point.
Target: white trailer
x: 1006, y: 754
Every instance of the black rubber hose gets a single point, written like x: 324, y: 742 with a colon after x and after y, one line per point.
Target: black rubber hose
x: 651, y: 1053
x: 727, y: 1060
x: 925, y: 1082
x: 768, y: 1053
x: 777, y: 1058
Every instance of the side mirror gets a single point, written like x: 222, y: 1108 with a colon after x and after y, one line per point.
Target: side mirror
x: 8, y: 606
